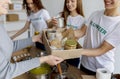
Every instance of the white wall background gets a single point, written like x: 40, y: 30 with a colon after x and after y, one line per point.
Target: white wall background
x: 56, y: 6
x: 53, y: 6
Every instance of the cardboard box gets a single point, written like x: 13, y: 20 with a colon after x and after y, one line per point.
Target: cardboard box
x: 65, y: 54
x: 15, y: 6
x: 12, y: 17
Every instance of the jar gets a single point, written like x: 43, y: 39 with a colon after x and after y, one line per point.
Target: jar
x: 41, y: 72
x: 36, y: 33
x: 60, y: 22
x: 70, y: 44
x: 51, y: 34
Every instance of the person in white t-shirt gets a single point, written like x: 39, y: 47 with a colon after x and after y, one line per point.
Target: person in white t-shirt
x: 38, y: 16
x: 10, y: 70
x: 73, y: 17
x: 102, y: 37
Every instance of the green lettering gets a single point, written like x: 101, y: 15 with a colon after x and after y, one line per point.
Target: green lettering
x: 104, y: 32
x: 101, y: 29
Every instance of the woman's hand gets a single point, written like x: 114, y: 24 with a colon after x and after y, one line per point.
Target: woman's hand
x: 37, y: 38
x: 4, y: 6
x: 51, y: 60
x: 53, y: 23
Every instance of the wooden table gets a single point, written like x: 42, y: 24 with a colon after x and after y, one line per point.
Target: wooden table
x: 71, y: 69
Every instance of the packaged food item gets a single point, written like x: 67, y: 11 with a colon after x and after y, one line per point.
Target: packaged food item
x: 56, y: 42
x: 43, y: 69
x: 60, y: 22
x: 70, y: 44
x: 36, y: 33
x: 59, y: 35
x: 63, y: 51
x: 69, y: 33
x: 51, y: 34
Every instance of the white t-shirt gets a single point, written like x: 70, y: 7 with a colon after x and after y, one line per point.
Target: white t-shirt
x: 76, y: 23
x: 39, y: 19
x: 101, y: 28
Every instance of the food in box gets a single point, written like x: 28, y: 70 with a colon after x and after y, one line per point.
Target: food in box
x: 57, y: 46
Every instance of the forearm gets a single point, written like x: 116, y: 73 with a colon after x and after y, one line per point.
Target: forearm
x: 92, y: 52
x: 22, y: 30
x: 49, y: 25
x: 104, y: 48
x: 18, y: 33
x: 10, y: 70
x: 80, y: 32
x: 24, y: 66
x: 20, y: 44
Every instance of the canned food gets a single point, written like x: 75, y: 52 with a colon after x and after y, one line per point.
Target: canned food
x: 36, y: 33
x: 60, y: 22
x: 51, y: 35
x: 70, y: 44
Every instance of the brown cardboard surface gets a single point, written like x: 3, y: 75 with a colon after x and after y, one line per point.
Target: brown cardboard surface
x: 65, y: 54
x: 11, y: 6
x: 88, y: 77
x: 12, y: 17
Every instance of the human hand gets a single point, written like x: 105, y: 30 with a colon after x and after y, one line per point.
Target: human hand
x: 12, y: 37
x: 51, y: 60
x: 54, y: 22
x: 69, y: 33
x: 4, y: 6
x: 37, y: 38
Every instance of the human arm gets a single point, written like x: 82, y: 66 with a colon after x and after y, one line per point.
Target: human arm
x: 11, y: 70
x: 20, y: 44
x: 51, y: 60
x: 21, y: 30
x: 111, y: 41
x: 52, y: 23
x: 80, y: 32
x: 46, y: 17
x: 104, y: 47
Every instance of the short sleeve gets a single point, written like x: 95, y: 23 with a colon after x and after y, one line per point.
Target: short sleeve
x: 87, y: 22
x: 28, y: 18
x: 46, y: 15
x: 114, y: 37
x: 82, y: 21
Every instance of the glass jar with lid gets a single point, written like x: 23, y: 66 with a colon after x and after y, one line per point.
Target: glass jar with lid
x: 70, y: 44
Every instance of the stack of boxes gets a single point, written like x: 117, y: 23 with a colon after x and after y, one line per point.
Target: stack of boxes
x: 13, y: 16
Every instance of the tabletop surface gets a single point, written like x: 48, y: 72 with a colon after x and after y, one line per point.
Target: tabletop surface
x: 71, y: 69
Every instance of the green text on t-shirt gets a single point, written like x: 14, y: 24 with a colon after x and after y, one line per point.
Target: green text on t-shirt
x: 98, y: 27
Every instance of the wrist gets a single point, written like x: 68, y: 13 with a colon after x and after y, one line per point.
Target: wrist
x: 12, y: 37
x: 43, y: 59
x: 33, y: 39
